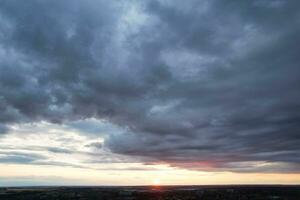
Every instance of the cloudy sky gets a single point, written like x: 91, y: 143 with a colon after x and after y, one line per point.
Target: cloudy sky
x: 98, y: 92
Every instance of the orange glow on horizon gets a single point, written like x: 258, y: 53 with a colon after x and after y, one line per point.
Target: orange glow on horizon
x: 155, y: 178
x: 156, y: 182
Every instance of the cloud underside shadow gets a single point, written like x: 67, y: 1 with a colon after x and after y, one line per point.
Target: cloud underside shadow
x: 209, y: 85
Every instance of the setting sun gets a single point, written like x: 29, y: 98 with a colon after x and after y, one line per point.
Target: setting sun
x: 156, y: 182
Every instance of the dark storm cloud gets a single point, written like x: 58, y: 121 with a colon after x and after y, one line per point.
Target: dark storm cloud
x: 204, y: 84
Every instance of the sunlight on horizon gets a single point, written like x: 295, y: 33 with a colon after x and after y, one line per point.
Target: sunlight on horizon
x: 54, y: 175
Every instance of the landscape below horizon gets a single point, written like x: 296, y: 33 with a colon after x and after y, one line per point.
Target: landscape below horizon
x: 243, y: 192
x: 150, y: 92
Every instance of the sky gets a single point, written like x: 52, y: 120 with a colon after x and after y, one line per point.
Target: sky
x: 98, y: 92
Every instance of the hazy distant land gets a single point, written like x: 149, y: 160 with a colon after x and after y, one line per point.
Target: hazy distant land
x: 261, y: 192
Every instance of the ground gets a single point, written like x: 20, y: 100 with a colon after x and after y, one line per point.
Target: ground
x: 153, y: 193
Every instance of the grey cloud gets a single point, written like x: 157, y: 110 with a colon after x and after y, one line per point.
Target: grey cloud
x: 19, y: 158
x: 209, y: 82
x: 60, y: 164
x: 16, y: 159
x: 97, y: 145
x: 36, y: 181
x: 3, y: 129
x: 93, y: 126
x: 59, y: 150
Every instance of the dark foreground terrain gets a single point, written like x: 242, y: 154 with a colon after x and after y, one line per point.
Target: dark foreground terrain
x: 155, y: 193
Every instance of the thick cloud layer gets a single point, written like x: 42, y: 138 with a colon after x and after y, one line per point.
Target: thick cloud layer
x: 204, y: 85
